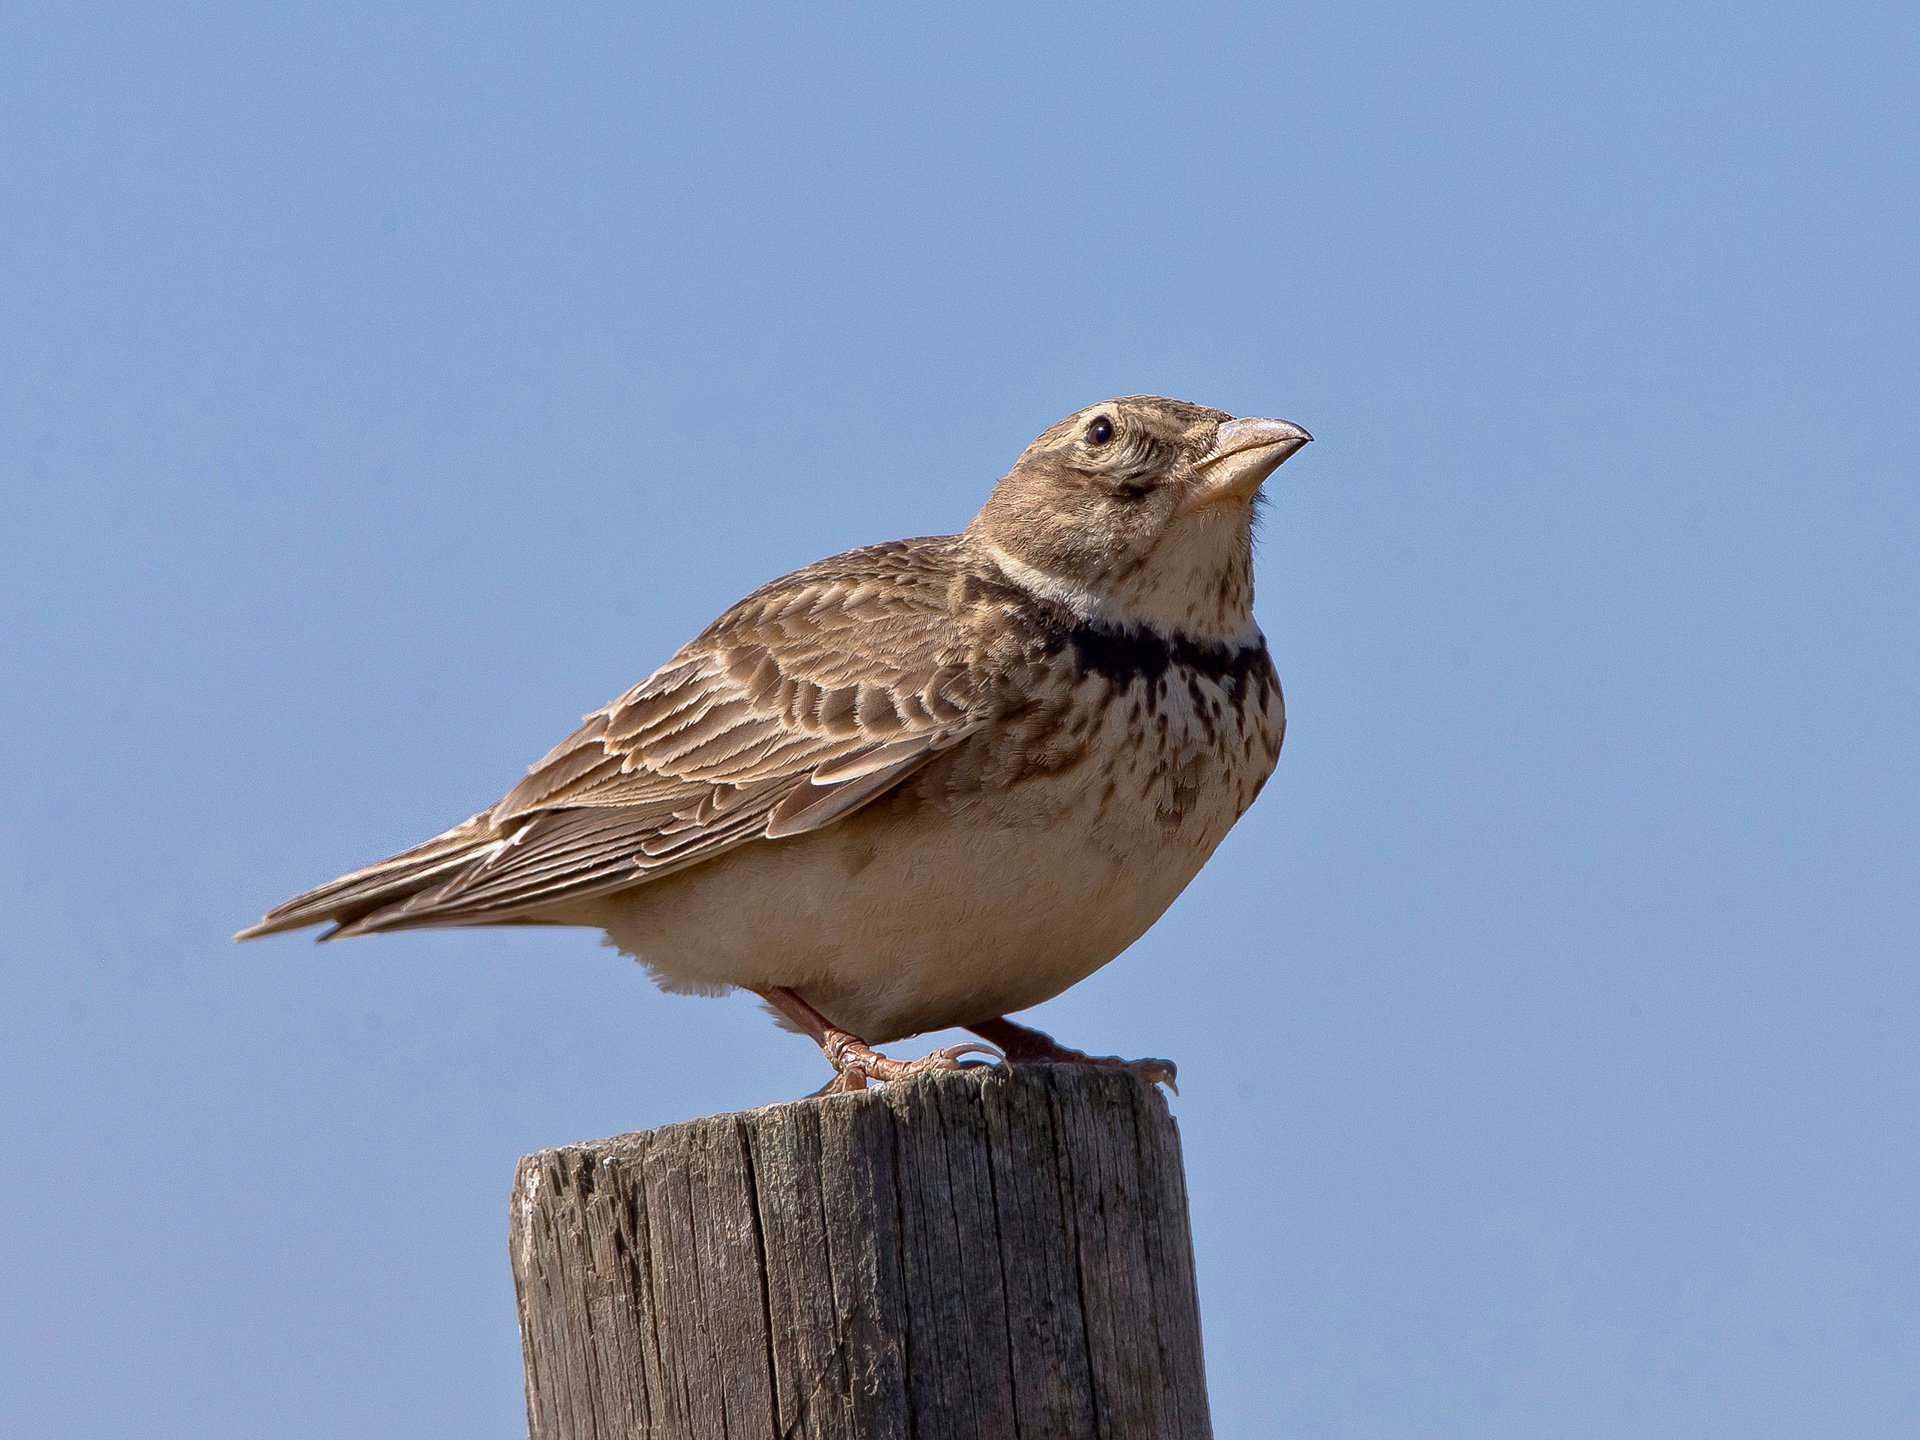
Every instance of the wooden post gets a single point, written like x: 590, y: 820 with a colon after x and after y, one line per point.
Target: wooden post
x: 986, y: 1254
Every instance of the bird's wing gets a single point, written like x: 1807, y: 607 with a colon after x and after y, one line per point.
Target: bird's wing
x: 802, y: 703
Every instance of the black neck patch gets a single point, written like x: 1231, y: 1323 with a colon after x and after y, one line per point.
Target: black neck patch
x: 1121, y: 656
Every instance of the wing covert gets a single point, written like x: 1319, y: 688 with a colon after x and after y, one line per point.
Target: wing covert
x: 801, y: 704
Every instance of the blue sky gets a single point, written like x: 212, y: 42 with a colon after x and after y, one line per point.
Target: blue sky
x: 384, y: 388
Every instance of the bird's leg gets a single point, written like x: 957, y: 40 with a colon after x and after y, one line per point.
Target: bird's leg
x: 854, y: 1061
x: 1030, y: 1046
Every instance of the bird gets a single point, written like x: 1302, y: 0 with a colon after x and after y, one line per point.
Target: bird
x: 921, y: 785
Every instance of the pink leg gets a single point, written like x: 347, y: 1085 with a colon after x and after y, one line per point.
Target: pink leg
x: 1027, y: 1046
x: 854, y: 1061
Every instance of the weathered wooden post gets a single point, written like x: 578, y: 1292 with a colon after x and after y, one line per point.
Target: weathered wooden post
x: 984, y: 1254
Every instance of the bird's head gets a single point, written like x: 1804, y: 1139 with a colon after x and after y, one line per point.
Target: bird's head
x: 1140, y: 511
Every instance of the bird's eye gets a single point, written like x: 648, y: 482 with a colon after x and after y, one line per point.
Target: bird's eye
x: 1100, y: 431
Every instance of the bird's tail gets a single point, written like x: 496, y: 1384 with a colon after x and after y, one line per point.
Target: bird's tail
x: 354, y: 897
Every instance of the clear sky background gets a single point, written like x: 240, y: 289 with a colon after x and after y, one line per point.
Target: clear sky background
x: 385, y: 387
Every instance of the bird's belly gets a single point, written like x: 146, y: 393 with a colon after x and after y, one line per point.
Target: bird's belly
x: 919, y: 912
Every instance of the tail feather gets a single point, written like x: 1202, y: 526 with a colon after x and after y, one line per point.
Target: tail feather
x: 354, y: 897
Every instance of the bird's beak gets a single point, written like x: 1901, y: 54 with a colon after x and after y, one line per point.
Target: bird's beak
x: 1244, y: 453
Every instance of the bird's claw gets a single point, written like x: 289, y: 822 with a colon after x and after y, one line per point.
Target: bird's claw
x: 844, y: 1082
x: 1025, y: 1045
x: 857, y: 1062
x: 950, y: 1057
x: 1154, y: 1072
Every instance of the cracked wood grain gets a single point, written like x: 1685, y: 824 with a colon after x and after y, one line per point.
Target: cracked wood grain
x: 990, y: 1255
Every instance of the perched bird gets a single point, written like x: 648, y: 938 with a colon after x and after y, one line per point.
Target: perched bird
x: 921, y: 784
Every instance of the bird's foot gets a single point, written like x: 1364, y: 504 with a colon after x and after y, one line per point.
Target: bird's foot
x: 1024, y: 1045
x: 855, y: 1062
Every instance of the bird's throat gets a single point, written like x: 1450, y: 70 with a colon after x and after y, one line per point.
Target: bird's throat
x: 1198, y: 583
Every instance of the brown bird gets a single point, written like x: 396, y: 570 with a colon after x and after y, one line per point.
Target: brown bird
x: 921, y: 784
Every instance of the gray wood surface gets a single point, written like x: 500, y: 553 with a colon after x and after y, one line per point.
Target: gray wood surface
x: 995, y: 1253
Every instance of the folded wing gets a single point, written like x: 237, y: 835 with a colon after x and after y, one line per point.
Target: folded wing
x: 801, y: 704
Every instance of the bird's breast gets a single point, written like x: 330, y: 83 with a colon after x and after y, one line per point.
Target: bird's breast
x: 1163, y: 734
